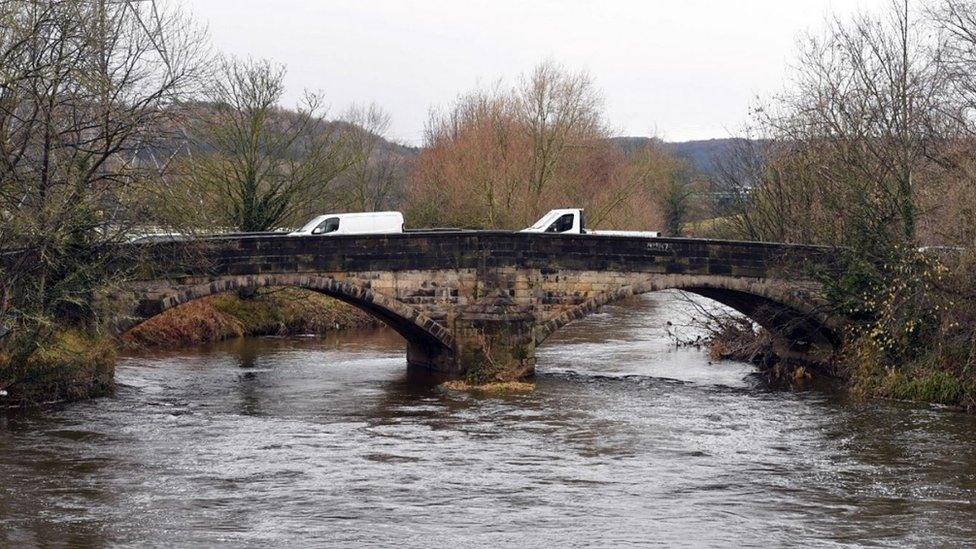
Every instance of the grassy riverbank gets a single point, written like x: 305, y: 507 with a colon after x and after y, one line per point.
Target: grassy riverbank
x: 72, y: 365
x: 942, y: 374
x: 76, y: 364
x: 272, y: 311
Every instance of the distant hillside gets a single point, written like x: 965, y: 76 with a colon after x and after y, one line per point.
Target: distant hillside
x: 704, y: 156
x: 180, y: 140
x: 701, y: 155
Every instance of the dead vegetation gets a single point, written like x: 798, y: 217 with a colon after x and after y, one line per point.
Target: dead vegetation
x: 272, y: 311
x: 495, y: 388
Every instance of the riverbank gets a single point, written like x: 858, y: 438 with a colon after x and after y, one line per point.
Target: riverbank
x: 928, y: 380
x: 271, y: 311
x: 71, y: 365
x: 78, y: 364
x: 735, y: 338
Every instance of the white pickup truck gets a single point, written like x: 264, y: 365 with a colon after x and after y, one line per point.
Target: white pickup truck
x: 572, y: 221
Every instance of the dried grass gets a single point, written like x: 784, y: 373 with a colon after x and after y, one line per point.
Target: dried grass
x: 273, y: 311
x: 495, y: 388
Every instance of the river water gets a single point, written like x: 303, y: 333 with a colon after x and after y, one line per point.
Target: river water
x: 625, y: 441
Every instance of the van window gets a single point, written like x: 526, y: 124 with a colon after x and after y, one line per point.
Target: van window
x: 330, y: 225
x: 561, y: 225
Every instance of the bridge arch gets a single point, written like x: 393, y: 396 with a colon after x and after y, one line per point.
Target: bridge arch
x: 784, y: 311
x: 411, y: 323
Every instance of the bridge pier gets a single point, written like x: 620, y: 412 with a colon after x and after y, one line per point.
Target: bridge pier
x: 489, y: 346
x: 431, y: 357
x: 494, y: 346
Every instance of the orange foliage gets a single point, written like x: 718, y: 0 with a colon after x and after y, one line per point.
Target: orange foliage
x: 192, y: 323
x: 501, y: 159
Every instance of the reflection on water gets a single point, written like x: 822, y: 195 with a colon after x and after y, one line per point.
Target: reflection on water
x: 625, y: 441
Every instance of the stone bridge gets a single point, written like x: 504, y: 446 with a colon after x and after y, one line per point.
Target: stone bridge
x: 482, y: 302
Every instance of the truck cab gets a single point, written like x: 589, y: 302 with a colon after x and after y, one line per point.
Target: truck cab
x: 568, y: 221
x: 572, y: 221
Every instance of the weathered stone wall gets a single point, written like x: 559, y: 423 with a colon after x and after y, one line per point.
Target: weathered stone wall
x: 472, y: 298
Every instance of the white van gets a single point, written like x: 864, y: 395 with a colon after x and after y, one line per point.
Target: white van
x: 353, y: 223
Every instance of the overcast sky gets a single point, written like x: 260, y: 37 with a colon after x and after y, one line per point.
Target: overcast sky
x: 677, y: 69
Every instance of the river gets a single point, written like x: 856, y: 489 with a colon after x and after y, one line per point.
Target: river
x: 625, y: 441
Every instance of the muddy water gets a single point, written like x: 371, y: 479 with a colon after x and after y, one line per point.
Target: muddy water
x: 625, y: 441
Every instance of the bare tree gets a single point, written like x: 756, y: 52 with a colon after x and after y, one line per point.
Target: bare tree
x: 957, y: 21
x: 857, y: 155
x: 473, y: 170
x: 646, y: 186
x: 375, y: 177
x: 257, y: 164
x: 86, y: 90
x: 770, y: 193
x: 561, y: 110
x: 955, y: 199
x: 500, y: 157
x: 847, y: 151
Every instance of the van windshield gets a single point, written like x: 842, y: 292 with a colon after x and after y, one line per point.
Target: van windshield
x: 310, y: 226
x: 330, y: 225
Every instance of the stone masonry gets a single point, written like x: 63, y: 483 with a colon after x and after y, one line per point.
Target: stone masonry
x: 481, y: 302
